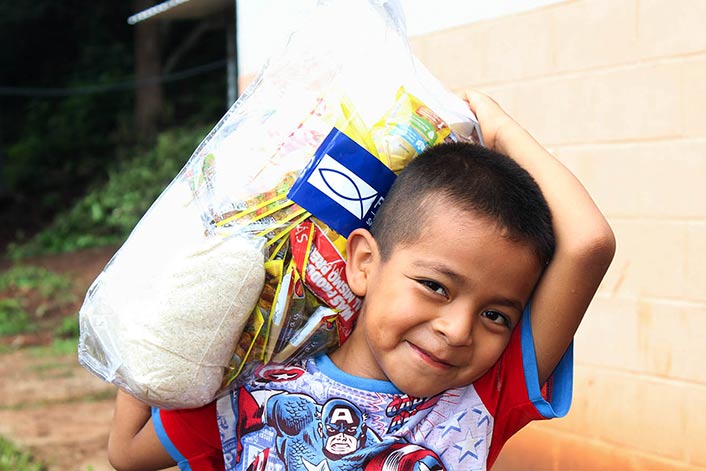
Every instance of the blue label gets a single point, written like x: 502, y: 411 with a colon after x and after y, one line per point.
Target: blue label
x: 343, y: 184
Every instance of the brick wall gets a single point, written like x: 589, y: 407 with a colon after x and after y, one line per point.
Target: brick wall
x: 617, y: 90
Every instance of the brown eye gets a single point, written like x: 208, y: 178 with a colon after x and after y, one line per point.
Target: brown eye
x: 434, y: 286
x: 497, y: 317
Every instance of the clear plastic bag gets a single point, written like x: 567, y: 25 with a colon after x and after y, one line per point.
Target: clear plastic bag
x: 241, y: 260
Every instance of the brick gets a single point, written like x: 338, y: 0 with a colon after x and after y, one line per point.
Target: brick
x: 537, y: 448
x: 639, y: 413
x: 575, y: 454
x: 417, y: 45
x: 650, y: 259
x: 695, y: 404
x: 244, y: 81
x: 491, y: 51
x: 518, y: 47
x: 696, y: 262
x: 611, y: 174
x: 582, y: 418
x: 694, y: 78
x: 648, y: 415
x: 505, y: 96
x: 650, y: 337
x: 671, y: 28
x: 659, y: 415
x: 595, y: 33
x: 532, y: 449
x: 608, y: 336
x: 650, y: 180
x: 670, y: 338
x: 454, y: 55
x: 636, y: 102
x: 673, y: 175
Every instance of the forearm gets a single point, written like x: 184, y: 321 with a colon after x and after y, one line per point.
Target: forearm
x: 579, y: 226
x: 585, y: 246
x: 130, y: 416
x: 584, y: 241
x: 133, y: 444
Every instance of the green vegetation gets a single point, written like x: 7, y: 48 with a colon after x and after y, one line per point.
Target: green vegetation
x: 64, y: 346
x: 13, y: 318
x: 24, y: 278
x: 107, y: 213
x: 68, y: 329
x: 58, y: 347
x: 29, y: 294
x: 14, y: 459
x: 33, y: 298
x: 77, y: 110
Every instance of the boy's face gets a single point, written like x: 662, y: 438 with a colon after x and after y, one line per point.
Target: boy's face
x: 439, y: 312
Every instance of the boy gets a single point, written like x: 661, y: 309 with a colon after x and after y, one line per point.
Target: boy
x: 474, y: 277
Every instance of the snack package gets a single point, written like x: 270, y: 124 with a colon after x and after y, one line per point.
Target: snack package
x: 241, y: 260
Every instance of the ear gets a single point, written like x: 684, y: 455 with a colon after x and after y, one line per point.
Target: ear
x: 363, y: 257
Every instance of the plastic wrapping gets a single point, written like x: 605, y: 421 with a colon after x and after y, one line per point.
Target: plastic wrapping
x: 241, y: 260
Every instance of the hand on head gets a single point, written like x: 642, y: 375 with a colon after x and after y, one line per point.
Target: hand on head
x: 492, y: 118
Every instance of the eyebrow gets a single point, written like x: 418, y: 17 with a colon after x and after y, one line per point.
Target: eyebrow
x: 439, y: 268
x: 511, y: 303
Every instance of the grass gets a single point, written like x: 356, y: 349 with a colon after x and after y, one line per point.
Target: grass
x: 30, y: 294
x: 24, y: 278
x: 14, y: 459
x: 108, y: 212
x: 14, y: 318
x: 57, y: 347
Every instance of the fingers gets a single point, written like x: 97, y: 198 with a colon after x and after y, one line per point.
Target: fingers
x: 481, y: 103
x: 488, y: 113
x: 473, y: 98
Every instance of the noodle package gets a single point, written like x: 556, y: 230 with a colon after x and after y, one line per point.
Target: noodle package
x: 241, y: 260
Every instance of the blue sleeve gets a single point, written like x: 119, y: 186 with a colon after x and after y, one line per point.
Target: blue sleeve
x: 560, y: 383
x: 166, y: 441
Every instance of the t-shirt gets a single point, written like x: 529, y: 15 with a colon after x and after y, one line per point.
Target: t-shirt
x: 310, y: 415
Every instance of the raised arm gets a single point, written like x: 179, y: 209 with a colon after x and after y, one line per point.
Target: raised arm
x: 133, y: 444
x: 585, y: 244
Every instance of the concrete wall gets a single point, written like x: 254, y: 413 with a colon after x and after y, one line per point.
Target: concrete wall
x: 617, y: 90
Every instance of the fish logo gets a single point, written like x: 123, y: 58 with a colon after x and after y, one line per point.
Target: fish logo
x: 343, y: 186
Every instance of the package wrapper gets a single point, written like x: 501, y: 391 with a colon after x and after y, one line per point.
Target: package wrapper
x: 241, y: 260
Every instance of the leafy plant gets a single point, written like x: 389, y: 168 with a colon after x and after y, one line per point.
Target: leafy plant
x: 13, y: 318
x: 68, y: 329
x: 64, y: 346
x: 14, y: 459
x: 58, y: 346
x: 107, y: 213
x: 28, y: 293
x: 23, y: 278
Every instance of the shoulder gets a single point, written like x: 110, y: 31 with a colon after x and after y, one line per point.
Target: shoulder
x: 189, y: 435
x: 514, y: 380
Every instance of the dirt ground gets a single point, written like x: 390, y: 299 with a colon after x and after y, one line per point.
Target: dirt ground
x: 49, y: 404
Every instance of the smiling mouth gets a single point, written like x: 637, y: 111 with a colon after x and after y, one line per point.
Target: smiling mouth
x: 429, y: 358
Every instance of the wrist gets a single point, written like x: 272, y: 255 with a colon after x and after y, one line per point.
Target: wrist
x: 509, y: 135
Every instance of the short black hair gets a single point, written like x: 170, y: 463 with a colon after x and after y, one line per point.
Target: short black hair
x: 474, y: 178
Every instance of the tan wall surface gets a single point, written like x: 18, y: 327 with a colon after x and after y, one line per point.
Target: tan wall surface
x: 617, y: 90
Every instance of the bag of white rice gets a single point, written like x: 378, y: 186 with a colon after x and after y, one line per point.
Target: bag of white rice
x: 241, y: 260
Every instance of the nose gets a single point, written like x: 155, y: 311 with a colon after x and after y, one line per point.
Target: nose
x: 455, y: 325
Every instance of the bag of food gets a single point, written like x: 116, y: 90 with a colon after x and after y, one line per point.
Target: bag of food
x: 241, y: 259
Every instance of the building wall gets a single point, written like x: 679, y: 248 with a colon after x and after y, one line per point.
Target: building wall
x: 616, y: 89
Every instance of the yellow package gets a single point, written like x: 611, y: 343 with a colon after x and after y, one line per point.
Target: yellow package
x: 280, y: 309
x: 249, y: 346
x: 407, y: 129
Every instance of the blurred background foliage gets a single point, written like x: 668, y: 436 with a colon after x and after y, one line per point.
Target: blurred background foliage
x: 75, y: 171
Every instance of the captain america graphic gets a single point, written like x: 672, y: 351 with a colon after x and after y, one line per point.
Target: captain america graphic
x: 308, y: 436
x: 343, y: 429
